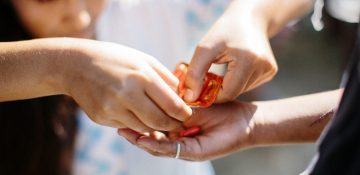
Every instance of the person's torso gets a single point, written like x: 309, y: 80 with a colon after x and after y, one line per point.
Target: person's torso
x: 339, y: 150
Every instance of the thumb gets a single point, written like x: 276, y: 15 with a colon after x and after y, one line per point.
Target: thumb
x: 200, y: 63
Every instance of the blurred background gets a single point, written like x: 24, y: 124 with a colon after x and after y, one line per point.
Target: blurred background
x: 309, y: 62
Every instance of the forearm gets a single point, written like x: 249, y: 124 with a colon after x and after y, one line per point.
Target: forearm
x: 294, y: 120
x: 273, y: 14
x: 30, y: 69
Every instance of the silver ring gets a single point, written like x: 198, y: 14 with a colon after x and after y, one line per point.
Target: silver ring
x: 178, y: 149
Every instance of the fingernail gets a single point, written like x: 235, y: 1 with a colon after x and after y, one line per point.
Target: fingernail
x: 189, y: 95
x: 188, y: 111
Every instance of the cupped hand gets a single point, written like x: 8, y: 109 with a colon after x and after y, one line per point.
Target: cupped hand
x: 240, y: 40
x: 225, y: 128
x: 121, y: 87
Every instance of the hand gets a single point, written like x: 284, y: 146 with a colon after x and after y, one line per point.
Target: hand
x: 239, y: 38
x: 122, y: 87
x: 225, y: 128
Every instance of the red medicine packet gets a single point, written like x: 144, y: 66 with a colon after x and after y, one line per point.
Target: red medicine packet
x: 211, y: 88
x: 189, y: 132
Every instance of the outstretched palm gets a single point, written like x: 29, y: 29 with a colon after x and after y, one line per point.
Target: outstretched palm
x: 225, y: 128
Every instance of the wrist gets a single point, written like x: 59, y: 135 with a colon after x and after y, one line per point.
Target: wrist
x: 64, y: 57
x: 258, y: 123
x: 280, y: 13
x: 254, y: 12
x: 254, y: 123
x: 273, y: 15
x: 266, y: 127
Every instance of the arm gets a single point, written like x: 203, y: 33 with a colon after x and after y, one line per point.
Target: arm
x: 230, y: 127
x: 240, y: 38
x: 115, y: 85
x: 274, y: 14
x: 294, y: 120
x: 28, y: 69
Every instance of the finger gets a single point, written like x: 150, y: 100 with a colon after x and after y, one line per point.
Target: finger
x: 158, y: 135
x: 133, y: 137
x: 164, y: 147
x: 114, y: 124
x: 254, y: 81
x: 129, y: 135
x: 189, y: 147
x: 199, y: 117
x: 166, y: 98
x: 152, y: 116
x: 236, y: 78
x: 200, y: 63
x: 164, y: 73
x: 260, y: 78
x: 130, y: 120
x: 146, y: 141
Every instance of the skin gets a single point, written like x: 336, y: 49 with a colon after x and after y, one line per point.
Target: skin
x: 240, y: 38
x: 230, y: 127
x: 59, y: 18
x: 116, y: 86
x: 234, y: 126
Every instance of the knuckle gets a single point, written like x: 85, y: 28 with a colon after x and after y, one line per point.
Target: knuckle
x: 270, y: 70
x: 143, y: 129
x: 140, y: 128
x: 269, y: 66
x: 116, y: 123
x: 137, y: 77
x: 133, y: 82
x: 107, y: 107
x: 195, y: 154
x: 235, y: 47
x: 202, y: 46
x: 176, y: 109
x: 162, y: 124
x: 157, y: 120
x: 208, y: 44
x: 228, y: 96
x: 98, y: 120
x: 96, y: 111
x: 192, y: 76
x: 274, y: 69
x: 120, y: 126
x: 127, y: 94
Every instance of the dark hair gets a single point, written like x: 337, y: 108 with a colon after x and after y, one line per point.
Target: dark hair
x: 37, y: 135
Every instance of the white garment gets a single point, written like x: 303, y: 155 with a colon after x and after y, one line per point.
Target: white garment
x: 169, y: 31
x: 344, y: 10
